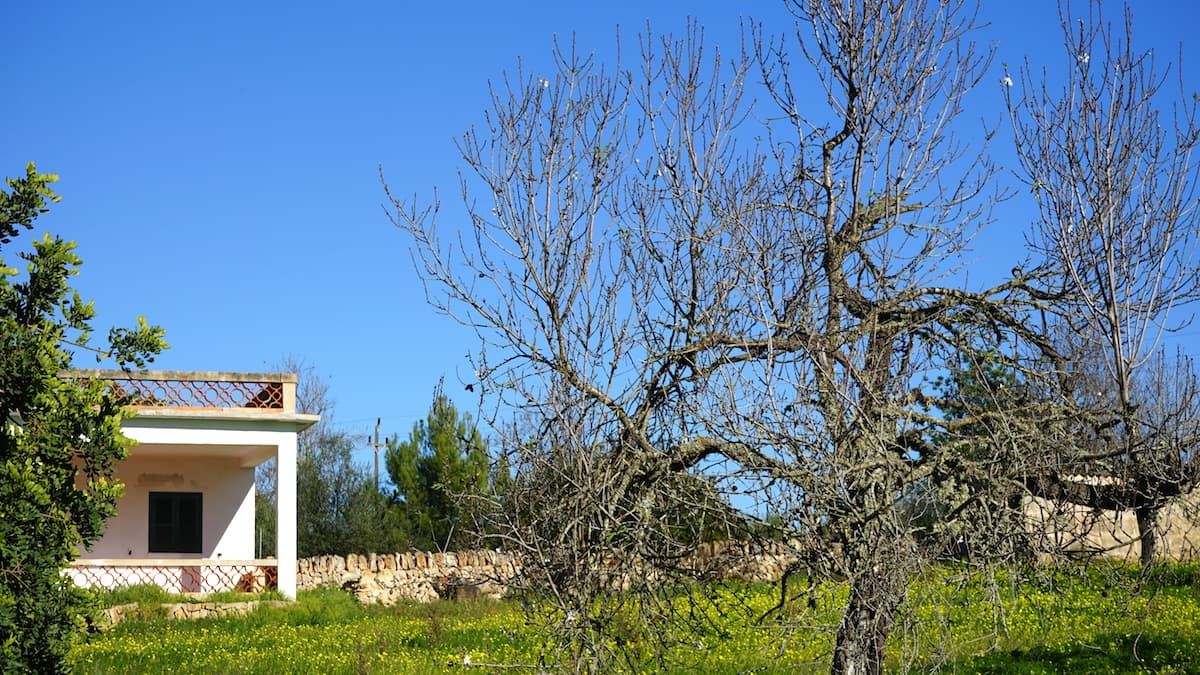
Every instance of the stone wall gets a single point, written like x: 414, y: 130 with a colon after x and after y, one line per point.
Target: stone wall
x: 416, y: 575
x: 424, y: 577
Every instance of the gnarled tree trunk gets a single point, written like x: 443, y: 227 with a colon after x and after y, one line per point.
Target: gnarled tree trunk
x: 863, y: 633
x: 1147, y: 522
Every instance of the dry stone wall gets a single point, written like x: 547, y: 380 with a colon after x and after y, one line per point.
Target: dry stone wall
x: 424, y: 577
x: 416, y: 575
x: 1114, y: 534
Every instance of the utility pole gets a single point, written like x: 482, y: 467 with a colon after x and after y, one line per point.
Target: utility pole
x: 377, y: 445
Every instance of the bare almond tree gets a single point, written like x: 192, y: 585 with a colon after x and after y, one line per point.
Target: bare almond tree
x: 1115, y: 179
x: 677, y: 284
x: 312, y: 397
x: 590, y: 271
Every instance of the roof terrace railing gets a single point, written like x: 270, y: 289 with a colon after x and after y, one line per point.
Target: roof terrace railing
x: 183, y: 390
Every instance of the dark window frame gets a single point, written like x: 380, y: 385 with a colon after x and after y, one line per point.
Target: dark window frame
x: 176, y: 522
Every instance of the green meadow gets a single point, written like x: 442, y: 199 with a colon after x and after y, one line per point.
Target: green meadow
x: 1098, y: 619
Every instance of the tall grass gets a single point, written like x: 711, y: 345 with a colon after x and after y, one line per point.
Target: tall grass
x: 1098, y: 619
x: 151, y: 594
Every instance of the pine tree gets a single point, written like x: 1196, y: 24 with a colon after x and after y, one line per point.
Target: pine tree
x: 436, y: 472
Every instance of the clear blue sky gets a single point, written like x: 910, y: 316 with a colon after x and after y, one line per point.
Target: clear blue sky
x: 219, y: 160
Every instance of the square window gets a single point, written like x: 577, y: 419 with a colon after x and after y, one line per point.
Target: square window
x: 176, y: 522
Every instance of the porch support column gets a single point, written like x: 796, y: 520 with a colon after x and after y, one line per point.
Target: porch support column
x: 285, y: 518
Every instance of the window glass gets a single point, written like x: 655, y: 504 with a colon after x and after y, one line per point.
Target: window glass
x: 176, y: 522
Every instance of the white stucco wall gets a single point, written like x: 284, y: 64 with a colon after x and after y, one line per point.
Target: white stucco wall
x: 1068, y: 527
x: 213, y: 453
x: 228, y: 516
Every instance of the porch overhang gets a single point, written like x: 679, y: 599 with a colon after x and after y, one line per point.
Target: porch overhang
x: 251, y: 438
x: 236, y: 419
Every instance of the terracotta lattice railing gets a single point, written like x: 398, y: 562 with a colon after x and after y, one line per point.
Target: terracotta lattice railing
x: 269, y: 392
x: 177, y: 576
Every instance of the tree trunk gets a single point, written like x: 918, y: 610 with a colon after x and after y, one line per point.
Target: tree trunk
x: 862, y: 636
x: 1147, y: 522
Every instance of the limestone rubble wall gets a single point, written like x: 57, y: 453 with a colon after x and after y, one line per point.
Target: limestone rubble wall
x: 416, y: 575
x: 424, y: 577
x: 184, y: 610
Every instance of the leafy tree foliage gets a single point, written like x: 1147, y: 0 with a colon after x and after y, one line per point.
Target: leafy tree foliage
x: 436, y: 472
x: 338, y: 508
x: 1082, y: 459
x: 266, y: 511
x: 60, y: 438
x: 986, y: 403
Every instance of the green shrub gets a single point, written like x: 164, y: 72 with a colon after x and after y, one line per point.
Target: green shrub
x: 60, y: 438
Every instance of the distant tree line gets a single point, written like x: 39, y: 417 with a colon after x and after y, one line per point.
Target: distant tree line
x: 437, y: 479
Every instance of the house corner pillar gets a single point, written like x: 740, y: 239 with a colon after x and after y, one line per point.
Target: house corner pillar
x: 285, y: 524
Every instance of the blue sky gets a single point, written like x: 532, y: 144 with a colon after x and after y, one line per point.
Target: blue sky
x: 220, y: 160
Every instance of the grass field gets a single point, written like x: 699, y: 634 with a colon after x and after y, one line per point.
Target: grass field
x: 1075, y: 620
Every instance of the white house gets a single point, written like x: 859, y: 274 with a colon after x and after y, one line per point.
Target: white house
x: 186, y: 520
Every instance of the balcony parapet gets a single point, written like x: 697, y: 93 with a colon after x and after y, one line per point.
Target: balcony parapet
x: 186, y: 390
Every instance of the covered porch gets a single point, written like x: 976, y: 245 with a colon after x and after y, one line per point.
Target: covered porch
x: 186, y: 520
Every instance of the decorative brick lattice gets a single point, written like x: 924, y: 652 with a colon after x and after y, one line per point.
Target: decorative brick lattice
x: 202, y: 393
x: 179, y: 577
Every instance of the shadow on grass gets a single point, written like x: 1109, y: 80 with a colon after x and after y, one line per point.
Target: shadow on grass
x: 1104, y: 653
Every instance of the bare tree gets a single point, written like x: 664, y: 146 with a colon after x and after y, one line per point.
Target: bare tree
x: 670, y: 280
x: 312, y: 397
x: 339, y: 510
x: 598, y: 203
x: 1115, y: 180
